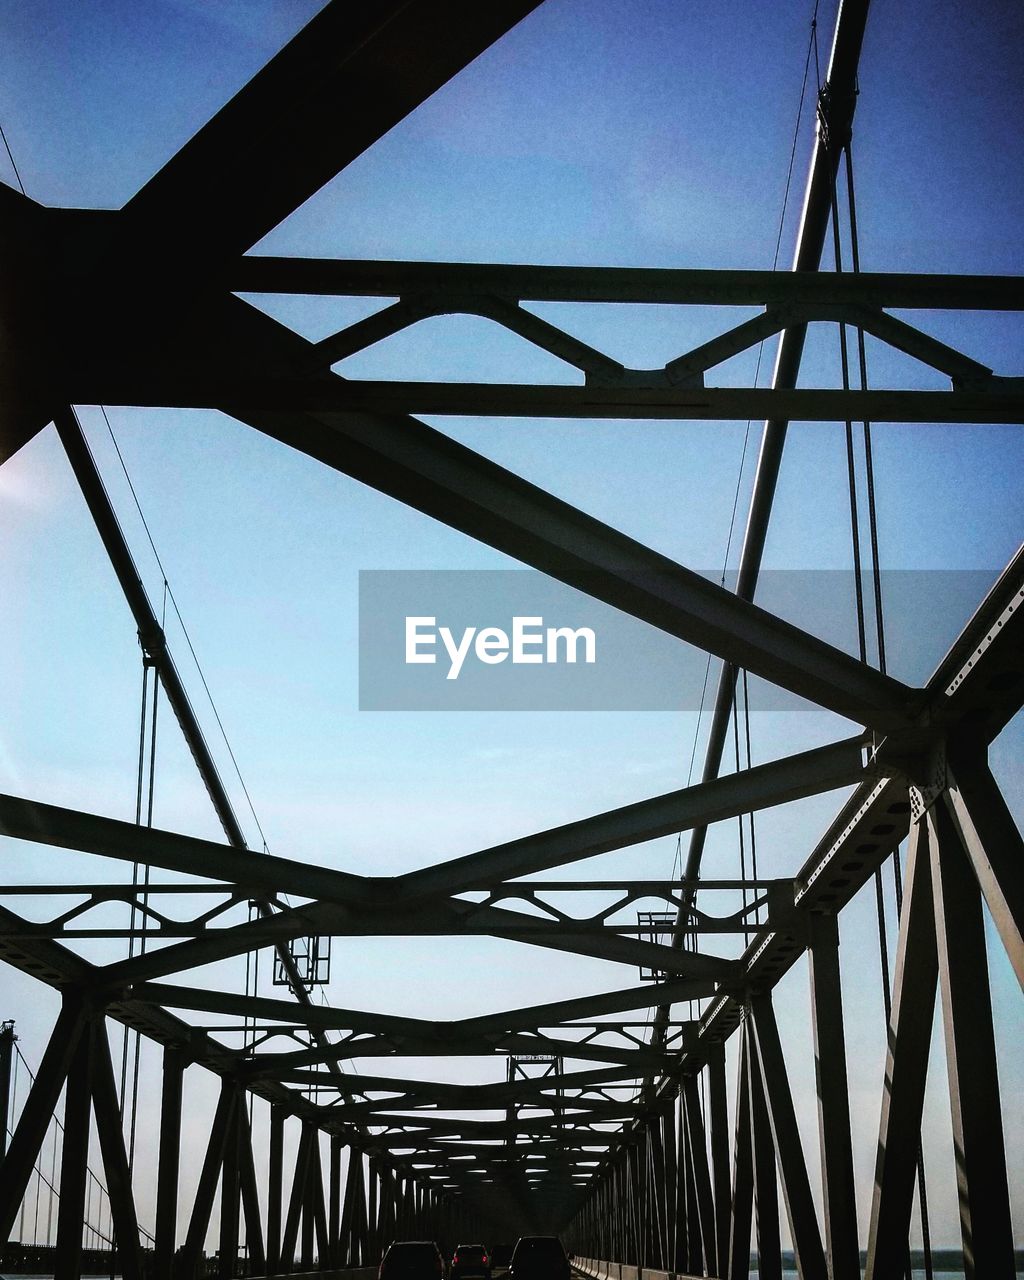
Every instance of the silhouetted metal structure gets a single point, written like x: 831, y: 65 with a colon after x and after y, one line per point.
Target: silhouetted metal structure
x: 136, y: 307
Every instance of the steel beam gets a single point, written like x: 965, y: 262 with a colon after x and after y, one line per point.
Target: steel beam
x: 348, y: 1235
x: 316, y: 1198
x: 74, y: 1160
x: 360, y: 66
x: 673, y: 285
x: 433, y: 919
x: 698, y: 1151
x: 741, y: 1210
x: 807, y: 773
x: 763, y: 1157
x: 334, y: 402
x: 834, y: 1131
x: 7, y: 1042
x: 274, y: 1189
x: 718, y: 1138
x: 42, y: 823
x: 202, y: 1208
x: 433, y: 473
x: 227, y: 1252
x: 296, y: 1200
x: 255, y: 1251
x: 906, y: 1066
x: 168, y: 1162
x: 970, y: 1057
x: 151, y: 635
x: 796, y: 1187
x: 38, y: 1111
x: 993, y: 843
x: 334, y: 1203
x: 115, y: 1161
x: 414, y: 1044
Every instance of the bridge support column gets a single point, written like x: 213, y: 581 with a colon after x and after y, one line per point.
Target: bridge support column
x: 295, y: 1200
x: 318, y: 1210
x: 250, y: 1192
x: 368, y: 1243
x: 766, y: 1186
x: 995, y: 848
x: 681, y: 1257
x: 168, y: 1162
x: 742, y: 1212
x: 718, y: 1119
x: 970, y: 1056
x: 906, y: 1067
x: 274, y: 1189
x: 696, y: 1142
x: 202, y: 1208
x: 115, y: 1160
x: 308, y: 1219
x: 796, y: 1187
x: 7, y: 1042
x: 334, y: 1202
x: 229, y: 1196
x: 671, y: 1173
x: 350, y: 1254
x: 833, y: 1099
x: 74, y: 1159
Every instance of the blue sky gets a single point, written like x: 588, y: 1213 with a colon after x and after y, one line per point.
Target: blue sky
x: 613, y: 132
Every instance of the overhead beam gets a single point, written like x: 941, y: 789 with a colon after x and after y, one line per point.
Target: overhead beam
x: 32, y: 820
x: 347, y: 277
x: 420, y: 1046
x: 442, y: 919
x: 521, y: 1088
x: 807, y: 773
x: 531, y: 1018
x: 350, y: 75
x: 429, y: 471
x: 1000, y: 401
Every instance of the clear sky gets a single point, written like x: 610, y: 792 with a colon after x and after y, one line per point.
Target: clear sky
x: 618, y: 132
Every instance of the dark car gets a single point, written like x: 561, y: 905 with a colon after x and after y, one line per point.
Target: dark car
x: 501, y: 1256
x: 471, y: 1262
x: 539, y: 1258
x: 412, y: 1260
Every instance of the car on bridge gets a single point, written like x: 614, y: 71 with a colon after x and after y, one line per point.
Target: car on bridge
x: 470, y: 1262
x: 412, y: 1260
x: 539, y: 1258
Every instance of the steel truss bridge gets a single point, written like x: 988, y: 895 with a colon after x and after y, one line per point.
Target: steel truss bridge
x: 632, y: 1155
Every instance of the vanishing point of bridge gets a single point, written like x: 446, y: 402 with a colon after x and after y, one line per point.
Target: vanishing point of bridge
x: 623, y: 1133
